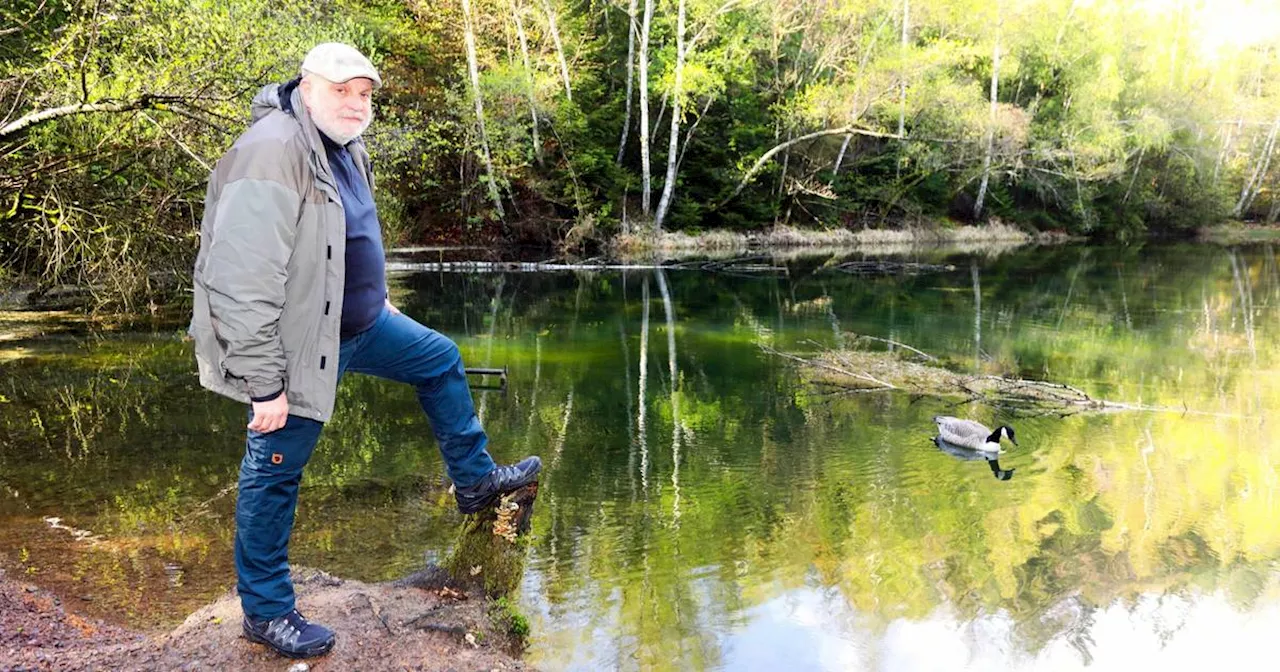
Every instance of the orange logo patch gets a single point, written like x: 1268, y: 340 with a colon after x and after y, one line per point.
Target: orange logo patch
x: 277, y: 458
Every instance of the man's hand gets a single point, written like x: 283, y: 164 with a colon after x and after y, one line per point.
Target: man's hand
x: 268, y: 416
x: 393, y: 309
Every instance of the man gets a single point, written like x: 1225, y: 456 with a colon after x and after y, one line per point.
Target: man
x: 290, y: 293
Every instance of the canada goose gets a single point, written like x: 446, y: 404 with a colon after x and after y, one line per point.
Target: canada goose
x: 971, y: 434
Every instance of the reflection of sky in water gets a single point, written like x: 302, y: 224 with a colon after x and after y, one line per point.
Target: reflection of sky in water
x: 808, y: 629
x: 1169, y: 632
x: 804, y: 628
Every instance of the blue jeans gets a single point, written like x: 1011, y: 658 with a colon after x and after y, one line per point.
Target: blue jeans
x: 395, y: 347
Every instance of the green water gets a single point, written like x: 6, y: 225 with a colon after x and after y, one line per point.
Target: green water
x: 704, y: 504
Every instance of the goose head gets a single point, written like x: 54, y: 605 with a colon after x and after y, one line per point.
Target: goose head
x: 1005, y: 431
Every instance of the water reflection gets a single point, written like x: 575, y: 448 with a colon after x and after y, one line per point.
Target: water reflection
x: 969, y: 454
x: 810, y: 628
x: 707, y: 507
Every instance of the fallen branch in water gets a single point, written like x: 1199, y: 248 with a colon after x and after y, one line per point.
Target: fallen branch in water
x: 900, y: 345
x: 813, y: 362
x: 862, y: 372
x: 745, y: 265
x: 884, y: 267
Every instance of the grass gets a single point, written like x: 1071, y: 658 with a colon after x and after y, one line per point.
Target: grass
x: 1238, y: 232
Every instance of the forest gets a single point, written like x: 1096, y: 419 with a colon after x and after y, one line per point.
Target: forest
x: 567, y: 123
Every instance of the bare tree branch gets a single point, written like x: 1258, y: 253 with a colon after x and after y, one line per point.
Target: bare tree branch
x: 145, y: 102
x: 843, y: 130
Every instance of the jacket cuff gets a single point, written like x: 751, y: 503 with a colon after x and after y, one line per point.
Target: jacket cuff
x: 265, y: 397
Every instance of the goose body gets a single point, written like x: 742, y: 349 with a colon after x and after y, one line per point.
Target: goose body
x: 972, y: 434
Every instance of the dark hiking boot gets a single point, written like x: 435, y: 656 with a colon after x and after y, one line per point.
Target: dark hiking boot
x: 290, y: 635
x: 497, y: 482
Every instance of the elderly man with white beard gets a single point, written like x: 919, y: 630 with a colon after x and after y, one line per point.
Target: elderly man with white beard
x: 290, y: 294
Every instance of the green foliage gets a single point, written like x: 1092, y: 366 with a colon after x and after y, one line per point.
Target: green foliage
x: 1111, y: 119
x: 111, y: 199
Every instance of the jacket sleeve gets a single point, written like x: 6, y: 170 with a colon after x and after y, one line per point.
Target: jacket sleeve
x: 253, y: 237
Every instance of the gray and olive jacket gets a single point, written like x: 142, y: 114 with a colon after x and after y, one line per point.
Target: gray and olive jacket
x: 270, y: 271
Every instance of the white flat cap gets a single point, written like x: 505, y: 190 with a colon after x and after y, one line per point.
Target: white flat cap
x: 338, y: 62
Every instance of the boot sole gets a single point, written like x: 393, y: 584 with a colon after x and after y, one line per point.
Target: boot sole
x: 318, y: 650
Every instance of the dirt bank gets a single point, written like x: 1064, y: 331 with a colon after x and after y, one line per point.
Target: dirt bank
x: 407, y: 625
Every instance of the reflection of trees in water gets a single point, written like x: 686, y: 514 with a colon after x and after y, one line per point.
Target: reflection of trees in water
x: 642, y: 410
x: 669, y: 311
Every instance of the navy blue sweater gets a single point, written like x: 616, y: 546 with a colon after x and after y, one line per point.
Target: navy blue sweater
x: 365, y: 291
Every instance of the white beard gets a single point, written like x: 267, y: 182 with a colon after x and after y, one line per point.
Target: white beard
x: 330, y: 129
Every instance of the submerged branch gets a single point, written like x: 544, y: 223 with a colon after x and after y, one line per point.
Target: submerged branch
x: 892, y: 342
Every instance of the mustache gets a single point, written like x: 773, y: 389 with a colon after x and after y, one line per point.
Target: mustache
x: 329, y: 125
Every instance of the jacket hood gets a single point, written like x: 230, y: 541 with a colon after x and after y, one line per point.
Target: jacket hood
x: 274, y: 97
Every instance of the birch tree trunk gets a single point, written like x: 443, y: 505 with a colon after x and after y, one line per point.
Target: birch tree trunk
x: 786, y: 164
x: 516, y: 11
x: 1222, y: 152
x: 469, y: 37
x: 991, y: 132
x: 645, y: 177
x: 902, y: 90
x: 844, y: 147
x: 688, y: 135
x: 631, y: 66
x: 555, y: 37
x: 662, y: 114
x: 673, y: 146
x: 767, y: 156
x: 1266, y: 167
x: 1254, y: 184
x: 1137, y: 167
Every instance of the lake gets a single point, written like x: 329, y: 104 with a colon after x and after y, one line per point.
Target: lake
x: 705, y: 503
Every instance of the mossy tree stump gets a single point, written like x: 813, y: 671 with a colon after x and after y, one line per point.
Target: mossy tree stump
x: 491, y: 545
